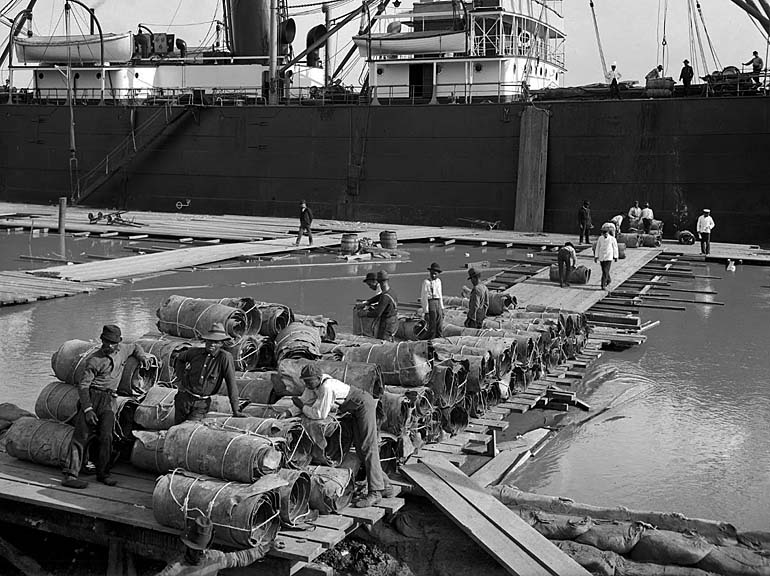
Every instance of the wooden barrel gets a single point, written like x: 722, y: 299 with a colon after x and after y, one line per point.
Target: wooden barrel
x: 388, y: 239
x: 349, y: 243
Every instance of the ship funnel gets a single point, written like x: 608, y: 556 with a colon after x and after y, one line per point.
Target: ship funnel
x: 313, y: 60
x: 249, y: 24
x: 181, y: 45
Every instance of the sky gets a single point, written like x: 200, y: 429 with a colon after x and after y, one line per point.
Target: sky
x: 630, y: 31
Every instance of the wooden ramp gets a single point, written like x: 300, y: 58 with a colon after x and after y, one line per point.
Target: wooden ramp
x: 518, y: 548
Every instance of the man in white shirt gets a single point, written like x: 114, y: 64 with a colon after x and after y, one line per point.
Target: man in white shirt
x: 647, y: 217
x: 324, y: 395
x: 605, y: 253
x: 704, y: 227
x: 613, y: 77
x: 432, y: 301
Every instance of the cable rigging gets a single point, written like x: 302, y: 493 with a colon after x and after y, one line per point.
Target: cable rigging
x: 598, y: 40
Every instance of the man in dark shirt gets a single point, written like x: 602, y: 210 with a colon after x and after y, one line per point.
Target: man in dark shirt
x: 686, y: 75
x: 478, y: 301
x: 386, y: 310
x: 95, y: 418
x: 584, y: 221
x: 202, y: 371
x: 305, y: 220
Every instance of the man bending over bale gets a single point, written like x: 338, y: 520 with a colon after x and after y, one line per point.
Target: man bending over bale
x: 331, y: 394
x: 202, y: 371
x: 95, y: 419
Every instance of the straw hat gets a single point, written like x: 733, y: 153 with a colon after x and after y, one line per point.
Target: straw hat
x: 434, y: 267
x: 472, y: 274
x: 216, y: 333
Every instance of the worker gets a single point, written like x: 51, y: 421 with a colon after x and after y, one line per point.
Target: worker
x: 756, y: 68
x: 323, y: 395
x: 478, y: 302
x: 201, y: 373
x: 305, y: 220
x: 432, y: 300
x: 95, y: 418
x: 704, y: 227
x: 647, y: 217
x: 617, y: 220
x: 686, y: 75
x: 613, y: 77
x: 371, y: 281
x: 634, y: 216
x: 386, y: 309
x: 566, y: 258
x: 199, y: 560
x: 655, y: 73
x: 584, y: 221
x: 605, y: 253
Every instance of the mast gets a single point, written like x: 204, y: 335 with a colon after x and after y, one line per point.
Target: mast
x: 74, y: 180
x: 761, y: 14
x: 273, y: 94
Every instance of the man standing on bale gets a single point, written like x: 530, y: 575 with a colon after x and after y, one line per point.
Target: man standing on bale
x: 567, y: 260
x: 387, y: 309
x: 478, y: 301
x: 202, y: 371
x: 95, y: 419
x: 432, y: 301
x: 331, y: 394
x: 606, y: 252
x: 305, y: 220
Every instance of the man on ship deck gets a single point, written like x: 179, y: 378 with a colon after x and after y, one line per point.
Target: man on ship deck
x: 655, y: 73
x: 202, y: 371
x: 95, y: 418
x: 324, y: 395
x: 613, y: 77
x: 756, y: 68
x: 686, y: 75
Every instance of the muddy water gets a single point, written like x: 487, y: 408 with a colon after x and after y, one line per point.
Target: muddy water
x: 686, y: 422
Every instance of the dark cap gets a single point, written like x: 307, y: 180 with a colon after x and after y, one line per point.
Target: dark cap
x: 111, y: 333
x: 370, y: 277
x: 310, y: 372
x: 472, y: 273
x: 434, y: 267
x: 383, y: 276
x: 198, y: 533
x: 686, y: 61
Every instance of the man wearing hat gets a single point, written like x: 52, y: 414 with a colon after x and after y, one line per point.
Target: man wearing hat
x: 200, y: 560
x: 613, y: 77
x: 704, y: 227
x: 584, y: 222
x: 371, y: 281
x: 201, y: 372
x: 606, y: 252
x: 305, y: 220
x: 647, y: 218
x: 756, y: 68
x: 432, y: 301
x: 686, y: 75
x: 655, y: 73
x: 386, y: 310
x: 323, y: 395
x: 478, y: 301
x: 95, y: 419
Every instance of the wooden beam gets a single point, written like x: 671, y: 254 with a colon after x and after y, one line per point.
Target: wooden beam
x: 24, y: 564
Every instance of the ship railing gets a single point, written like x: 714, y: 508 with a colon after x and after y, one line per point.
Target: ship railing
x: 482, y: 92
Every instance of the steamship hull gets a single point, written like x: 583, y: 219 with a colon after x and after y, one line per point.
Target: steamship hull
x: 410, y: 163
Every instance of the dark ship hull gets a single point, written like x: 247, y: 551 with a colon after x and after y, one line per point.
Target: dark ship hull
x: 417, y: 164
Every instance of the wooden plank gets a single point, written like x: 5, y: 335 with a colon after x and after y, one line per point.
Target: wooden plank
x: 494, y: 470
x: 476, y: 428
x: 519, y: 532
x: 498, y: 424
x: 366, y: 516
x: 391, y: 505
x: 326, y: 537
x: 444, y: 449
x: 295, y: 549
x: 334, y: 521
x: 493, y: 416
x: 443, y: 494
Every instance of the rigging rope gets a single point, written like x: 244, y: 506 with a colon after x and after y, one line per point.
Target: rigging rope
x: 708, y: 37
x: 598, y: 40
x: 691, y: 10
x: 663, y: 57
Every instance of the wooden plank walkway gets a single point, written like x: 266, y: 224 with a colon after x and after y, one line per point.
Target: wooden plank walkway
x: 32, y: 495
x: 519, y: 548
x: 540, y: 290
x: 18, y: 287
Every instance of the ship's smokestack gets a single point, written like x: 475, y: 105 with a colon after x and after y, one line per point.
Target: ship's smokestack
x: 249, y: 22
x: 313, y: 60
x: 181, y: 45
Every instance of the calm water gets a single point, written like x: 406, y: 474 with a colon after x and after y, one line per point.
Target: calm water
x: 686, y: 426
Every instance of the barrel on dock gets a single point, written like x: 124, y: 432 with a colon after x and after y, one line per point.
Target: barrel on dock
x: 349, y: 243
x: 388, y: 239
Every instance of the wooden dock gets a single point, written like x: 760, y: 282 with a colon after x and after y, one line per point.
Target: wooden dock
x: 121, y: 517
